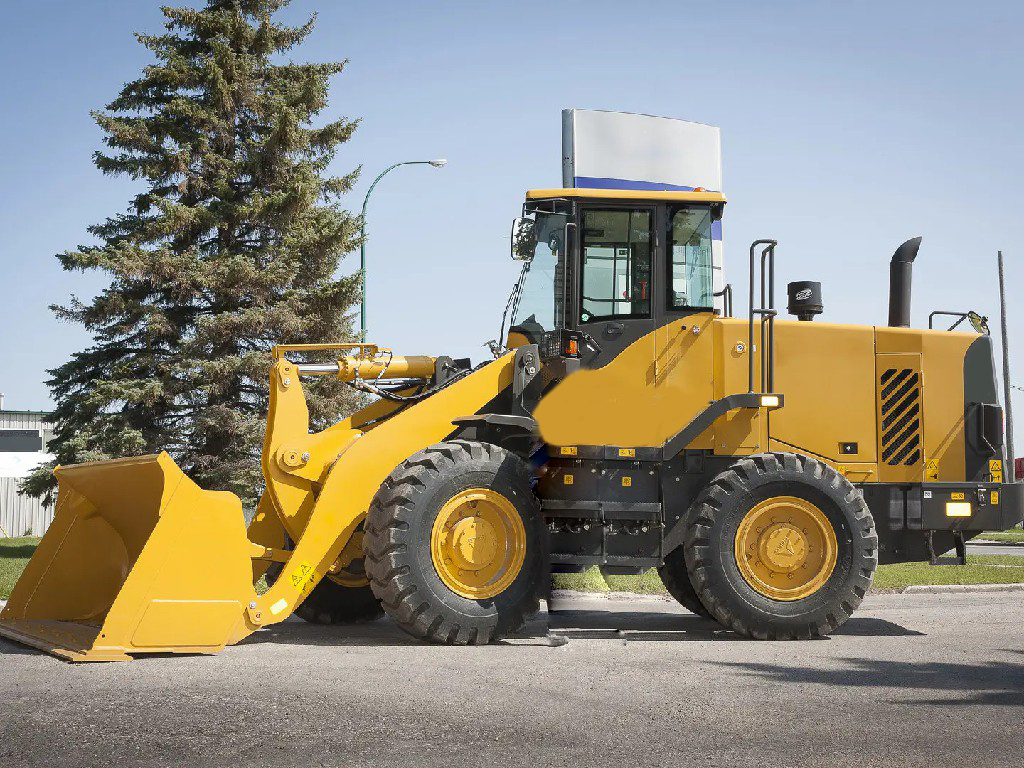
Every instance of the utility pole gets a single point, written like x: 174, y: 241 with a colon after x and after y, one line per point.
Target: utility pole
x: 1008, y: 470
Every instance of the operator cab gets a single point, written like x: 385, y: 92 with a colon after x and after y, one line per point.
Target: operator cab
x: 611, y: 265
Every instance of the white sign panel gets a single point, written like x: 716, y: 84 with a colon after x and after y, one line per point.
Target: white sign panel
x: 620, y: 150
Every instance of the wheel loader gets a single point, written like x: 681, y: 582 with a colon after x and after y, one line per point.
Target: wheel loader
x: 628, y: 420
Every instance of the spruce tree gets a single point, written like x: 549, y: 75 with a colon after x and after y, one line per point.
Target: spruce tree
x: 231, y: 246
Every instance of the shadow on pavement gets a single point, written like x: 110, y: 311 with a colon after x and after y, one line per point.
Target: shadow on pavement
x: 635, y: 626
x: 625, y: 626
x: 382, y: 632
x: 9, y: 648
x: 997, y: 683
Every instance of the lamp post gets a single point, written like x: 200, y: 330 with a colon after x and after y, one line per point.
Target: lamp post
x: 436, y: 163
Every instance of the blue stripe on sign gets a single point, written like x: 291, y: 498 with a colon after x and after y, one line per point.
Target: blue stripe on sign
x: 599, y: 182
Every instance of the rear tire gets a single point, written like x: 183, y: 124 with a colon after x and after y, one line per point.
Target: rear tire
x: 676, y: 579
x: 806, y: 540
x: 454, y: 544
x: 331, y: 602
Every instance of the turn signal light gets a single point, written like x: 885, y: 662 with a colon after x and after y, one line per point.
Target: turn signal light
x: 572, y: 348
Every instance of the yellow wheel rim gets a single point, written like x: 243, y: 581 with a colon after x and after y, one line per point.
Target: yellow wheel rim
x: 344, y: 574
x: 348, y: 579
x: 478, y: 543
x: 786, y: 548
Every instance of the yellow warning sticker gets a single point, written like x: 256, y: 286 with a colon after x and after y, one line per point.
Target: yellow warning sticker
x: 995, y: 497
x: 931, y: 470
x: 568, y: 450
x: 567, y: 479
x: 995, y: 468
x: 957, y: 496
x: 627, y: 453
x: 304, y: 578
x: 627, y: 482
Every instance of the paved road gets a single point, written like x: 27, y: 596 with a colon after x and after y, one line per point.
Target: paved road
x: 911, y: 680
x: 995, y: 548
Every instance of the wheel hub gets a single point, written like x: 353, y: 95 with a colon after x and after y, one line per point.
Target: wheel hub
x: 474, y: 543
x: 785, y: 548
x: 478, y: 543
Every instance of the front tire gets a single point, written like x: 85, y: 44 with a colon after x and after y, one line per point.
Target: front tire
x: 454, y: 542
x: 781, y: 546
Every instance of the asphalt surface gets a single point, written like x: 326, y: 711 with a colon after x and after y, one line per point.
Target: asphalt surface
x: 911, y: 680
x: 995, y: 548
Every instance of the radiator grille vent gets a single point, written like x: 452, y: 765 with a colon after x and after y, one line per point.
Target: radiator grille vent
x: 899, y: 392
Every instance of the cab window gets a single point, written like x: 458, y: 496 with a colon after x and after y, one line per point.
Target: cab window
x: 690, y: 284
x: 616, y: 264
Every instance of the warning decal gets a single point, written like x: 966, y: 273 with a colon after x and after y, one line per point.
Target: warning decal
x: 995, y: 468
x: 931, y: 469
x: 304, y: 578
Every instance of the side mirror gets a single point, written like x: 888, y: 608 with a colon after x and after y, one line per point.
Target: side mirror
x: 524, y: 239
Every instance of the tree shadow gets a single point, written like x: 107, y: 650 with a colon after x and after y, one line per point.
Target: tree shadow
x: 20, y: 550
x: 999, y: 683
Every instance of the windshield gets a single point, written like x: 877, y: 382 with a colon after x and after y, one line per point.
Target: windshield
x: 541, y: 306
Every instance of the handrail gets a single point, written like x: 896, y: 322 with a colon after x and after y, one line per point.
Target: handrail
x: 766, y: 312
x: 726, y: 294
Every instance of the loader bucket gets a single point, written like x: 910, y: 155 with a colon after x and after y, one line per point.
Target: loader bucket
x: 138, y: 559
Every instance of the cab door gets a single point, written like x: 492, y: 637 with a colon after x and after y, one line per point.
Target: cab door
x: 616, y: 283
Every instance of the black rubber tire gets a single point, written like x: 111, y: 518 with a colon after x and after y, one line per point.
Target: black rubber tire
x: 712, y: 523
x: 676, y: 579
x: 333, y: 603
x: 397, y: 544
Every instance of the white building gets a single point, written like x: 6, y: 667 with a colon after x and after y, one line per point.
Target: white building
x: 23, y: 439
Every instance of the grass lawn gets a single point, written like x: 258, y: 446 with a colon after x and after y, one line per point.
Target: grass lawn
x: 1014, y: 535
x: 980, y: 569
x: 14, y: 555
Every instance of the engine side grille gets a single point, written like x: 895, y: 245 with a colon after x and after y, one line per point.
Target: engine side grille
x: 899, y: 393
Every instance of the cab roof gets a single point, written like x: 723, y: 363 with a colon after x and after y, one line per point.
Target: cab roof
x: 627, y: 194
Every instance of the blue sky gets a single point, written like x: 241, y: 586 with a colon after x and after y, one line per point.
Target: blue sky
x: 846, y: 129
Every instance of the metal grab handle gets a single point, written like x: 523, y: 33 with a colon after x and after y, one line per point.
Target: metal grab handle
x: 726, y: 294
x: 592, y: 343
x: 766, y: 313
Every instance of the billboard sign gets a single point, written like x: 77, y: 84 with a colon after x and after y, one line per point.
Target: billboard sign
x: 620, y: 150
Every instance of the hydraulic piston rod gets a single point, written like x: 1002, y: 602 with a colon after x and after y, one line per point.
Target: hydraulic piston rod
x: 383, y: 366
x: 366, y: 361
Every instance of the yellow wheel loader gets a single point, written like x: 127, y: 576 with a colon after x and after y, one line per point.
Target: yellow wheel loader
x: 765, y: 466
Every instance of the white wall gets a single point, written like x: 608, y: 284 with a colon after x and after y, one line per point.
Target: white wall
x: 18, y: 514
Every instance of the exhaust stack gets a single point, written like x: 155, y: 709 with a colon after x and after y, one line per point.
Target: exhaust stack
x: 900, y: 270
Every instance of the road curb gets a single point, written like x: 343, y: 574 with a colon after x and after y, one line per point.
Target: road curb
x: 954, y: 588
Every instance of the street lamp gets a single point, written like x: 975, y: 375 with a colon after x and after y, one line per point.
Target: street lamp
x: 436, y: 163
